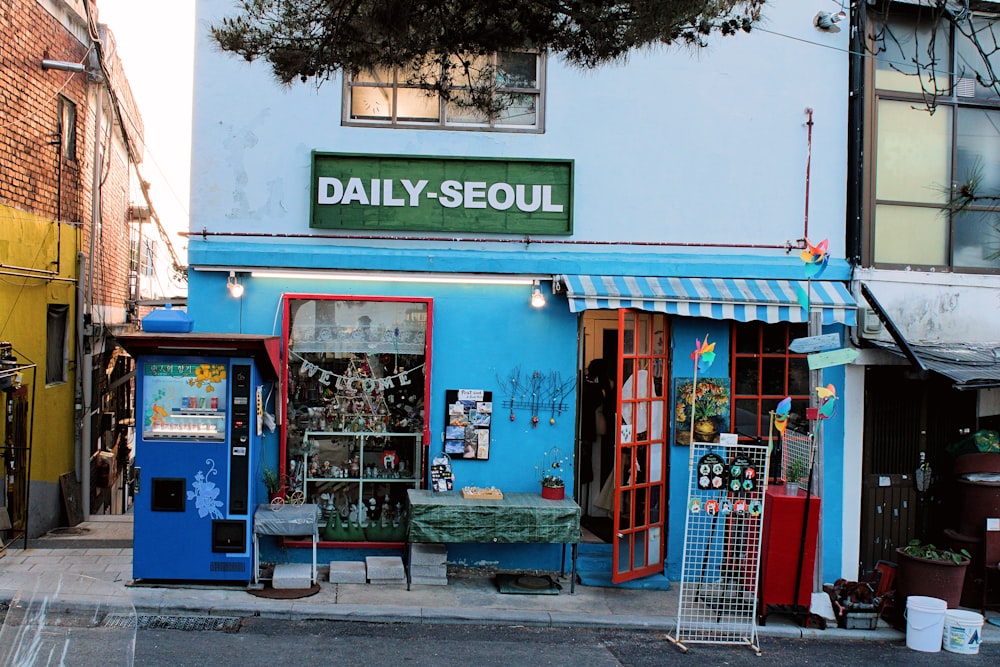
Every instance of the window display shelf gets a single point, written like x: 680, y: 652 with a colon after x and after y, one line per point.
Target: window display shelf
x: 360, y: 481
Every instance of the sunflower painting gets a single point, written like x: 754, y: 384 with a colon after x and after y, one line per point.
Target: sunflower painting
x: 710, y: 409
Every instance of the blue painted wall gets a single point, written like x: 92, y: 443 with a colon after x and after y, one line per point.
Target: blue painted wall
x: 481, y: 334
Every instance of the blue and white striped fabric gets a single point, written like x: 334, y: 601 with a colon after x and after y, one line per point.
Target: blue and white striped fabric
x: 739, y: 299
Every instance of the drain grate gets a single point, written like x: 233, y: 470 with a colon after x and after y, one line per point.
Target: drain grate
x: 159, y: 622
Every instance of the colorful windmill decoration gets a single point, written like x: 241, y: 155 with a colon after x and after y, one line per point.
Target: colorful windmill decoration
x: 827, y: 401
x: 781, y: 414
x: 704, y: 354
x: 816, y: 258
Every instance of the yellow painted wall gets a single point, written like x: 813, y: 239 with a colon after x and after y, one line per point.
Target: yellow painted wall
x: 31, y: 242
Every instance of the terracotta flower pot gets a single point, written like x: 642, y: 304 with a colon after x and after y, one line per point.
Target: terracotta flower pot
x: 942, y: 579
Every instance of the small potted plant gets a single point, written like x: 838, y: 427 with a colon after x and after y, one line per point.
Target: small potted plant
x: 550, y: 475
x: 275, y: 485
x: 797, y: 471
x: 925, y: 569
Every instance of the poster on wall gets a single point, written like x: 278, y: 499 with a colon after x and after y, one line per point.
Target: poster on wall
x: 469, y: 419
x: 709, y: 411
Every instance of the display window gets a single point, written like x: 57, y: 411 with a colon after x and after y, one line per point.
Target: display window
x: 357, y: 386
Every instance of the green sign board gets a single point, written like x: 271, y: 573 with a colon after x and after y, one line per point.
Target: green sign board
x: 832, y: 358
x: 441, y: 194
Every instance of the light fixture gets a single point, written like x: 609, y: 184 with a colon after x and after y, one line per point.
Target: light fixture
x: 537, y: 298
x: 234, y: 286
x: 827, y: 21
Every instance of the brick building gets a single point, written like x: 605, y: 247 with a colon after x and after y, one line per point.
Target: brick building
x: 70, y: 140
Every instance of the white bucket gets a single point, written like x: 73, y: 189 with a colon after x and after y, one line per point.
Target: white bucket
x: 963, y: 631
x: 924, y: 623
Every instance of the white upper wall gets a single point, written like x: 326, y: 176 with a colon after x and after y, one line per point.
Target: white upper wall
x: 686, y: 146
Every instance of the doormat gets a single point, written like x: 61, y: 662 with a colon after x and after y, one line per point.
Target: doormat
x: 283, y: 593
x: 594, y: 564
x: 526, y: 584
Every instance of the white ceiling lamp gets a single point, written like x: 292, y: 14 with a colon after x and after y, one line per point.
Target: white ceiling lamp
x: 233, y: 285
x: 537, y: 298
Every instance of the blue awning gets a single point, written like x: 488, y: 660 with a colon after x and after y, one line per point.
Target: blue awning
x: 740, y: 299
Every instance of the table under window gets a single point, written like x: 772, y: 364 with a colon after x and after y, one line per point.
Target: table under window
x: 517, y: 518
x: 285, y: 521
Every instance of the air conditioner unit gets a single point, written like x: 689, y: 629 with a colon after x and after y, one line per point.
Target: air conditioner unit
x: 869, y: 325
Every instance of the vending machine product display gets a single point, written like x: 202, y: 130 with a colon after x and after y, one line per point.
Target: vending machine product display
x: 198, y: 454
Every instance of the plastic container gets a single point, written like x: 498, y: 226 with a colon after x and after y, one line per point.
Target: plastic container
x: 925, y: 623
x: 167, y: 320
x: 963, y: 630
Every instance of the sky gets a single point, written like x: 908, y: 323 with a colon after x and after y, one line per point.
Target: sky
x: 156, y: 46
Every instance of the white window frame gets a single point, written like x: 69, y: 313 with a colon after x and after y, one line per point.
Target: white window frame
x: 442, y: 121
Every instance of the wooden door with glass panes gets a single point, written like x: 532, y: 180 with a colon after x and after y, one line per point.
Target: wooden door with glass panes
x: 640, y: 507
x: 358, y: 383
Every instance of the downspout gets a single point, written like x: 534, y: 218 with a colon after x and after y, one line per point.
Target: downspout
x: 855, y: 136
x: 88, y: 323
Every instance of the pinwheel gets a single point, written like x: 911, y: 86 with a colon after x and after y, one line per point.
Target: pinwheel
x: 781, y: 414
x: 816, y: 258
x: 828, y: 401
x: 704, y: 354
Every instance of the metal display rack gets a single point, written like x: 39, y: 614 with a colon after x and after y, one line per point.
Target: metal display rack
x: 722, y: 540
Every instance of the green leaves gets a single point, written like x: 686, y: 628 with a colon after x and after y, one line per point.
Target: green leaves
x: 303, y: 39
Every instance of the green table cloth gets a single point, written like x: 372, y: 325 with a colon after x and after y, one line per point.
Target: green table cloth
x: 519, y: 517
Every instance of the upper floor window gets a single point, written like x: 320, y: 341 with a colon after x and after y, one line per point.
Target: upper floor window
x: 922, y: 159
x: 67, y: 129
x: 401, y: 97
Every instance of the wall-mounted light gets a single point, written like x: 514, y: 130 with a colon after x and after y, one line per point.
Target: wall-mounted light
x: 234, y: 286
x: 827, y: 21
x: 537, y: 298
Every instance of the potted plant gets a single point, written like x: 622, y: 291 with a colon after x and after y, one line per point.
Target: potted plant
x: 797, y: 471
x: 553, y: 488
x: 925, y: 569
x: 550, y: 475
x: 275, y: 485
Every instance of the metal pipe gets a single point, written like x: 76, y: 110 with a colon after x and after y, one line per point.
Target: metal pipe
x: 47, y: 278
x: 787, y: 246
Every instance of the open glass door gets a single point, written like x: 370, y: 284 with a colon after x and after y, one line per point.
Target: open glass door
x: 641, y: 463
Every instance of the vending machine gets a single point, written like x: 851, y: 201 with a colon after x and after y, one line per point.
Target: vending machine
x: 198, y: 461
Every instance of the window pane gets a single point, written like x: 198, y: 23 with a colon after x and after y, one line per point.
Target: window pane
x: 55, y: 344
x: 774, y: 339
x: 773, y: 377
x: 459, y: 113
x: 522, y: 110
x: 368, y: 102
x: 913, y: 153
x: 517, y: 70
x: 466, y: 70
x: 798, y: 376
x: 414, y: 104
x: 378, y: 75
x: 904, y: 40
x: 911, y: 235
x: 977, y: 241
x: 746, y: 337
x: 746, y: 375
x: 970, y: 61
x: 979, y: 148
x: 746, y: 419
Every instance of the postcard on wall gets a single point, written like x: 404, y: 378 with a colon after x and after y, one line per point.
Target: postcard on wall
x: 467, y: 429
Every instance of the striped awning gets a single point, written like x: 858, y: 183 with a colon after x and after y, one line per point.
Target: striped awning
x: 739, y: 299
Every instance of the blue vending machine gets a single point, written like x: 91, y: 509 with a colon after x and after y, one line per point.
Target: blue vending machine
x: 198, y: 462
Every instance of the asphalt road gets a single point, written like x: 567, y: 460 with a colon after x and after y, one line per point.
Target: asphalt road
x: 258, y: 641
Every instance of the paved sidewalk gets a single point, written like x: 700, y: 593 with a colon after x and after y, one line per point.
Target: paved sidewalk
x: 466, y: 599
